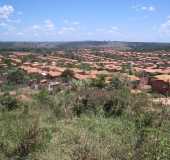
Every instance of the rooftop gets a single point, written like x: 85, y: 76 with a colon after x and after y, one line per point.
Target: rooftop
x: 163, y: 77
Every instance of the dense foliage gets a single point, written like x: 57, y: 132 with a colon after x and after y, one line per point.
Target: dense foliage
x: 89, y: 121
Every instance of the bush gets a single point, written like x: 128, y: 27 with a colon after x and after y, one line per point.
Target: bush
x: 92, y: 138
x: 8, y: 62
x: 30, y: 141
x: 61, y: 104
x: 8, y: 102
x: 21, y: 137
x: 95, y: 100
x: 6, y: 87
x: 99, y: 81
x: 116, y: 83
x: 34, y: 139
x: 67, y: 75
x: 42, y: 97
x: 85, y: 67
x: 119, y: 103
x: 87, y: 123
x: 89, y: 101
x: 16, y: 76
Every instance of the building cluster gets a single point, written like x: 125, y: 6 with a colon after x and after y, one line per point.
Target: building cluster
x: 148, y: 70
x: 152, y: 69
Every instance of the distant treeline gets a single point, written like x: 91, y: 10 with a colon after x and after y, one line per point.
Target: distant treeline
x: 43, y: 47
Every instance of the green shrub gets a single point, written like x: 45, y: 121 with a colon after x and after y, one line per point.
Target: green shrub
x: 94, y: 100
x: 21, y: 137
x: 42, y: 97
x: 99, y: 81
x: 116, y: 83
x: 85, y: 67
x: 8, y: 102
x: 61, y: 104
x: 16, y: 76
x: 119, y: 102
x: 67, y: 75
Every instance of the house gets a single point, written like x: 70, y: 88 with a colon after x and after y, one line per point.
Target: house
x: 16, y: 61
x: 53, y: 85
x: 21, y: 54
x: 133, y: 81
x: 54, y: 74
x: 161, y: 84
x: 84, y: 76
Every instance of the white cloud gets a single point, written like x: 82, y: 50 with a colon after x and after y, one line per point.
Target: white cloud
x: 144, y: 8
x: 115, y: 28
x: 69, y: 22
x: 20, y: 33
x: 36, y: 27
x: 8, y: 23
x: 151, y: 8
x: 69, y: 29
x: 49, y: 24
x: 7, y: 27
x: 76, y: 23
x: 90, y: 33
x: 46, y: 26
x: 2, y: 24
x: 6, y: 11
x: 112, y: 29
x: 66, y: 29
x: 14, y: 21
x: 35, y: 34
x: 165, y: 27
x: 100, y: 30
x: 66, y: 21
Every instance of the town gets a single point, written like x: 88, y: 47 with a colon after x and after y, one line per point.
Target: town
x: 145, y: 71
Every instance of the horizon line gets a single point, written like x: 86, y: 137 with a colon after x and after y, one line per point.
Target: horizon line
x: 30, y: 41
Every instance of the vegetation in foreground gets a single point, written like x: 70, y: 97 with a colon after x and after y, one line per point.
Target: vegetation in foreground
x: 88, y: 121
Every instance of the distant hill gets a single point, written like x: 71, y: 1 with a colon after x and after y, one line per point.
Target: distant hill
x: 142, y: 46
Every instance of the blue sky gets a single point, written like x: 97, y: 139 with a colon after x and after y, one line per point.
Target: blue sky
x: 74, y: 20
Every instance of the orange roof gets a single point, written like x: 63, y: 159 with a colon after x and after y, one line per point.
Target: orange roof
x: 76, y: 70
x: 43, y: 81
x: 133, y: 78
x: 16, y: 60
x: 31, y: 70
x: 21, y: 53
x: 54, y: 68
x: 36, y: 64
x: 27, y: 63
x: 163, y: 77
x: 54, y: 73
x: 82, y: 77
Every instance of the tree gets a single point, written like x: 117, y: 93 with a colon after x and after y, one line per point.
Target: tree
x: 85, y: 67
x: 99, y: 81
x: 8, y: 62
x: 117, y: 83
x: 43, y: 97
x: 67, y: 75
x: 8, y: 102
x: 16, y: 76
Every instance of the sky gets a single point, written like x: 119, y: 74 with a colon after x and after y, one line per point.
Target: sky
x: 79, y: 20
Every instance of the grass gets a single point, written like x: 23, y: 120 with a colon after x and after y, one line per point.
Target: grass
x: 89, y: 138
x: 48, y: 129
